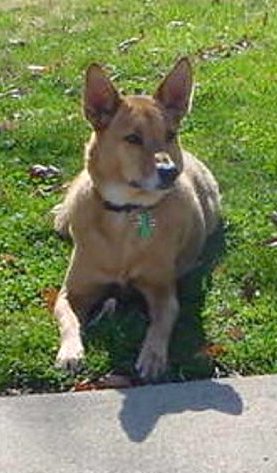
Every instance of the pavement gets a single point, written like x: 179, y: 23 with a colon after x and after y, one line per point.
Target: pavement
x: 224, y: 426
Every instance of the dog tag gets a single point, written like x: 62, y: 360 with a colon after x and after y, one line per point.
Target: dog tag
x: 145, y: 225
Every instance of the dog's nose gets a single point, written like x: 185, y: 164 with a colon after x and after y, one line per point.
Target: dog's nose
x: 167, y: 173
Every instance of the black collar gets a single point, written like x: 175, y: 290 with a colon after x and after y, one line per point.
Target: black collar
x: 126, y: 207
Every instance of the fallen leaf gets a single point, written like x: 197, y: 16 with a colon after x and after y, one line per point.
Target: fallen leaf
x: 213, y: 350
x: 176, y: 24
x: 37, y: 69
x: 114, y: 381
x: 249, y: 288
x: 44, y: 191
x: 49, y: 296
x: 221, y: 51
x: 39, y: 170
x: 125, y: 45
x: 72, y: 91
x: 84, y: 385
x: 271, y: 242
x: 227, y: 312
x: 7, y: 259
x: 7, y: 125
x: 236, y: 333
x: 17, y: 42
x: 14, y: 93
x: 109, y: 381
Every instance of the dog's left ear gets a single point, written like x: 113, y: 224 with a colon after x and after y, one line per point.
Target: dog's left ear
x: 176, y: 90
x: 101, y: 99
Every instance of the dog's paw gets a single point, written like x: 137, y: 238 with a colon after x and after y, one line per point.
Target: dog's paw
x: 152, y: 361
x: 70, y: 356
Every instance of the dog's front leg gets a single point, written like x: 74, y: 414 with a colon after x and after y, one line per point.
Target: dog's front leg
x: 74, y: 302
x: 71, y: 349
x: 163, y: 310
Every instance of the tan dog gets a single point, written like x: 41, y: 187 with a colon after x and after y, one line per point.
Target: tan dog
x: 139, y: 213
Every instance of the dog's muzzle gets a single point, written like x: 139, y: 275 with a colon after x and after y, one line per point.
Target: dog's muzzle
x: 167, y: 172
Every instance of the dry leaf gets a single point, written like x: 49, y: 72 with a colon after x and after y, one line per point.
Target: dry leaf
x: 176, y: 24
x: 39, y: 170
x: 49, y: 296
x: 249, y: 288
x: 236, y: 333
x: 221, y: 51
x: 271, y: 242
x: 127, y: 43
x: 17, y: 42
x: 7, y: 125
x: 14, y: 93
x: 84, y: 385
x: 227, y: 312
x: 213, y: 350
x: 109, y: 381
x: 7, y: 259
x: 37, y: 69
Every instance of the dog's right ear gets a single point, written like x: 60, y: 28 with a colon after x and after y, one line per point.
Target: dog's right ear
x: 101, y: 99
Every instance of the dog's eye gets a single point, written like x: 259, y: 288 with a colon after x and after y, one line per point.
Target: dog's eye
x: 171, y: 135
x: 134, y: 139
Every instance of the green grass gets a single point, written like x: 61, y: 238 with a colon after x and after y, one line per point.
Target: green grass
x: 233, y: 127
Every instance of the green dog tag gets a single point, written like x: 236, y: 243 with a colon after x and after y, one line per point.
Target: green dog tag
x: 145, y: 225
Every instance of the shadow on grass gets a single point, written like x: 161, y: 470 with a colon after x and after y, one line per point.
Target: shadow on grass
x: 187, y: 360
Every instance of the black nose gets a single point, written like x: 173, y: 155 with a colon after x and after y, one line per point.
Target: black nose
x: 167, y: 173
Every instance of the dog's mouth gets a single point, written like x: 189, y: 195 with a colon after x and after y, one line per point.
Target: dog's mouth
x: 163, y: 179
x: 141, y: 186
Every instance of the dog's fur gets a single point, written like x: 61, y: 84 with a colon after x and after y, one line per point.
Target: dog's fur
x: 123, y: 170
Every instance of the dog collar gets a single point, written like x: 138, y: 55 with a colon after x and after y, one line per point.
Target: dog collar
x: 142, y: 219
x: 126, y: 207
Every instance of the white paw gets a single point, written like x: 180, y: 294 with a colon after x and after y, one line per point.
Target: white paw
x: 152, y: 360
x: 70, y: 356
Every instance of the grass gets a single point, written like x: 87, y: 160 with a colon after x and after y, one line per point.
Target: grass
x: 228, y: 320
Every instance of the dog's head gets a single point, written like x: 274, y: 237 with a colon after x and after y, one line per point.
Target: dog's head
x: 134, y: 156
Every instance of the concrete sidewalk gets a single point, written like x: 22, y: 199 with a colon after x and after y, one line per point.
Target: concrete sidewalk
x: 227, y: 426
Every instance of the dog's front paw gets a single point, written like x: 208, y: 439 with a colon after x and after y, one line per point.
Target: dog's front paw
x: 152, y: 360
x: 70, y: 356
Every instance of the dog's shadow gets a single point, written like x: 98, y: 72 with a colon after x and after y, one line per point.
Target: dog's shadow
x: 142, y: 408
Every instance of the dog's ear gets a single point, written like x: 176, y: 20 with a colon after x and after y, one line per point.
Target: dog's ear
x: 101, y: 99
x: 176, y: 90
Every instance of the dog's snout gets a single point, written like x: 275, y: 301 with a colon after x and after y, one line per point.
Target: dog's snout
x: 167, y: 173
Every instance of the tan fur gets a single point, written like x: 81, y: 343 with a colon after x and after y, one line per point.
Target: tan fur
x: 107, y: 246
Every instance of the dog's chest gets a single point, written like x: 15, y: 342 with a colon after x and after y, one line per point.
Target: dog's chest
x: 125, y: 244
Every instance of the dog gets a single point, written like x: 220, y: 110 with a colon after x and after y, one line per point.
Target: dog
x: 138, y: 214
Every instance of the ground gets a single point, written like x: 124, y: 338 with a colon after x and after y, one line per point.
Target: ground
x: 229, y: 310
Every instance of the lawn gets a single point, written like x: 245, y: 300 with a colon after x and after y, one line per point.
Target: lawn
x: 228, y: 320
